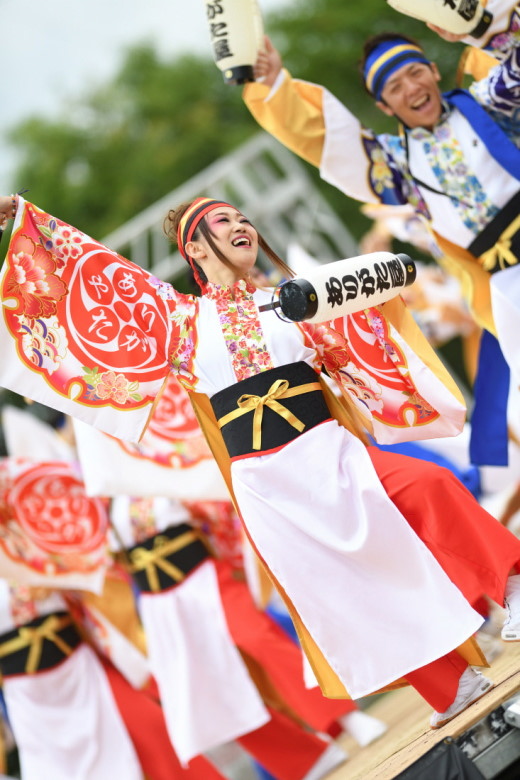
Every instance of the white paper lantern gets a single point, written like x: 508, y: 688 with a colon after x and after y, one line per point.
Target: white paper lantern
x: 237, y: 34
x: 344, y: 287
x: 461, y: 17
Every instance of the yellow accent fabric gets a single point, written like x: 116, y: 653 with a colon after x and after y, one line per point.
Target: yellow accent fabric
x: 501, y: 251
x: 117, y: 604
x: 293, y: 115
x: 474, y: 280
x: 400, y: 317
x: 475, y: 63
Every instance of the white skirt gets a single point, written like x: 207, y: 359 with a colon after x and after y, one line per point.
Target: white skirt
x: 207, y: 695
x: 371, y: 594
x: 505, y: 302
x: 66, y: 723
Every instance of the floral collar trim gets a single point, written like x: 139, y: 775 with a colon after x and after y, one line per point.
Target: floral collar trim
x: 239, y: 289
x: 241, y: 328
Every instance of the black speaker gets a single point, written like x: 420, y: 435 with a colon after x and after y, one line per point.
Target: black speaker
x: 444, y: 761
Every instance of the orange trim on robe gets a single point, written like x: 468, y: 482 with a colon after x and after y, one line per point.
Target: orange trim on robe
x: 475, y: 281
x: 346, y: 414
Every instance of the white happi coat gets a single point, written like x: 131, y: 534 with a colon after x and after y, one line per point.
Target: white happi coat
x: 315, y: 510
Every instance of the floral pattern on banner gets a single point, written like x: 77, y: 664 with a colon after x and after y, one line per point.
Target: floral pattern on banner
x: 47, y: 522
x: 173, y: 437
x: 97, y: 327
x: 219, y: 522
x: 331, y: 346
x: 142, y: 519
x: 33, y: 281
x: 108, y: 384
x: 360, y: 354
x: 23, y: 608
x: 241, y: 328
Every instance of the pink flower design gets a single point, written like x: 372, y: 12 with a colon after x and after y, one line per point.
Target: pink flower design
x: 112, y: 385
x: 32, y: 280
x: 331, y: 345
x: 67, y: 242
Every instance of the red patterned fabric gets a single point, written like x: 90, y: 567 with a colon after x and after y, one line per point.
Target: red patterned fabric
x: 51, y: 532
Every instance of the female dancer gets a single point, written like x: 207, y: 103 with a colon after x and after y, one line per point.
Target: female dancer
x: 376, y: 596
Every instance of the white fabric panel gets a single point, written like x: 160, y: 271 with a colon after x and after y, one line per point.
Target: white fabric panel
x: 66, y: 723
x: 207, y: 694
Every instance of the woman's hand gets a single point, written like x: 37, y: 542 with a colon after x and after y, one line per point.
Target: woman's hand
x: 268, y: 64
x: 8, y: 206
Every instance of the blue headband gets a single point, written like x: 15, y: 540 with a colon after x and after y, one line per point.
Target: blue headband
x: 385, y: 59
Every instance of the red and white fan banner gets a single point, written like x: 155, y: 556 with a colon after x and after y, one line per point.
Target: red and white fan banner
x: 51, y: 533
x: 172, y: 459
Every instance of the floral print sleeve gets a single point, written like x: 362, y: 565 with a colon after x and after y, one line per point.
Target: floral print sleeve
x: 396, y: 391
x: 84, y: 330
x: 503, y: 32
x: 499, y: 91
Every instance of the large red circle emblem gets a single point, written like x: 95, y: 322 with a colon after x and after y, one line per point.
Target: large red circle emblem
x: 173, y: 417
x: 52, y: 508
x: 113, y: 317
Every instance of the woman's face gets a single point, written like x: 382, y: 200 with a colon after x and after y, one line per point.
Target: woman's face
x: 237, y: 240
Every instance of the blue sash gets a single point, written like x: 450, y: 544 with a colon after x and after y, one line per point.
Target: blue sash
x: 489, y: 434
x: 496, y: 140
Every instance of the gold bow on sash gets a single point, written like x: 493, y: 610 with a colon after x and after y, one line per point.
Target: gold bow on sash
x: 500, y: 254
x: 279, y: 389
x: 151, y: 560
x: 33, y: 639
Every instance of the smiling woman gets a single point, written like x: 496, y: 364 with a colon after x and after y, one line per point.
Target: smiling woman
x: 209, y: 244
x: 358, y: 541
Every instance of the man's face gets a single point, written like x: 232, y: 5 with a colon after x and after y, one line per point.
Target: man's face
x: 412, y: 95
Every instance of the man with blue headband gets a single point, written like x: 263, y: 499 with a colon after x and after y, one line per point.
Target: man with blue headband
x: 455, y: 159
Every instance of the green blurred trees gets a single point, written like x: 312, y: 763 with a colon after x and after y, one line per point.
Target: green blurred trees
x: 109, y: 154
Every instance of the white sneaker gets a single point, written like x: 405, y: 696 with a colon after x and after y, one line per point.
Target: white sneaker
x: 364, y: 728
x: 511, y: 628
x: 472, y: 686
x: 331, y: 758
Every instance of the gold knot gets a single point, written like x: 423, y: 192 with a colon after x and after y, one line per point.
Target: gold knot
x: 500, y: 253
x: 33, y: 637
x: 150, y: 560
x: 279, y: 389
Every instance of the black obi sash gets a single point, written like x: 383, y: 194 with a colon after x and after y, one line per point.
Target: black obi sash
x: 498, y: 245
x: 164, y: 560
x: 266, y: 411
x: 38, y: 645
